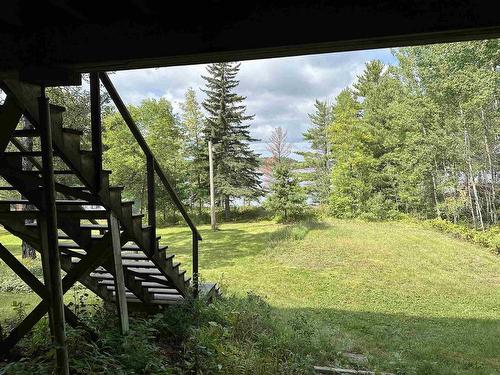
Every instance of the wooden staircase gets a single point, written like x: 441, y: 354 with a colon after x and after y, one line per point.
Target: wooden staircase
x: 85, y: 208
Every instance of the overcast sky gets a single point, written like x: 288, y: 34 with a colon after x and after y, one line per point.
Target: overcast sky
x: 280, y: 92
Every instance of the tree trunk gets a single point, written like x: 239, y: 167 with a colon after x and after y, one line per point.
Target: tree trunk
x: 493, y: 210
x: 227, y: 212
x: 27, y: 250
x: 434, y: 190
x: 213, y: 221
x: 472, y: 182
x: 468, y: 160
x: 471, y: 204
x: 200, y: 201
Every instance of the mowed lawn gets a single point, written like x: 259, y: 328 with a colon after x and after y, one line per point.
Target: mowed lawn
x: 410, y: 299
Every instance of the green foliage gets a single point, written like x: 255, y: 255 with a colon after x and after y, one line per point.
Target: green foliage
x: 419, y: 137
x: 287, y: 199
x: 161, y: 130
x: 319, y: 160
x: 489, y: 238
x: 235, y: 164
x: 195, y: 149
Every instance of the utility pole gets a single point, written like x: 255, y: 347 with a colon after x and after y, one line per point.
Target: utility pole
x: 212, y: 188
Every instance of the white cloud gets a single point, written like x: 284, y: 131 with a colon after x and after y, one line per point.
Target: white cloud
x: 280, y: 92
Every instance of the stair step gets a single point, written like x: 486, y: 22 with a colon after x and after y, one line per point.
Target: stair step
x: 104, y: 226
x: 26, y: 133
x: 72, y: 131
x: 61, y: 202
x: 106, y: 276
x: 156, y: 301
x: 138, y: 264
x: 64, y: 236
x: 84, y: 214
x: 136, y: 256
x: 58, y: 172
x: 151, y: 284
x: 73, y: 253
x: 132, y: 247
x: 160, y: 290
x: 22, y: 153
x: 145, y: 266
x: 20, y: 133
x: 137, y: 248
x: 94, y: 226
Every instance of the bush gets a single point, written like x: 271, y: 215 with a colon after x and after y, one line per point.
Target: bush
x: 489, y: 238
x: 233, y: 335
x: 246, y: 213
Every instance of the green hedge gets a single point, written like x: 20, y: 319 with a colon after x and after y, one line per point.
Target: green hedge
x: 489, y: 238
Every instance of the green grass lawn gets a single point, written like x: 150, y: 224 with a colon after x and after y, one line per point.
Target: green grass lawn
x: 407, y: 297
x: 412, y: 300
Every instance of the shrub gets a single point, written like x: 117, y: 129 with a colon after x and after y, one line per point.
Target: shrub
x: 287, y: 200
x: 489, y: 238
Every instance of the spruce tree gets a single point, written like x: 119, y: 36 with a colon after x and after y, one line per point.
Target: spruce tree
x: 235, y: 164
x: 319, y: 159
x: 287, y: 200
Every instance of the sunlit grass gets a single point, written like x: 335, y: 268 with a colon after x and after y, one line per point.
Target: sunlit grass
x: 405, y: 296
x: 413, y: 300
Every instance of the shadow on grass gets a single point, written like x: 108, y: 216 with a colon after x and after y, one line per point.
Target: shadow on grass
x: 397, y: 343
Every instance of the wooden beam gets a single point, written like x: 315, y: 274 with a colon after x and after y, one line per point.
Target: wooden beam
x: 51, y: 262
x: 52, y: 76
x: 96, y: 127
x: 10, y: 114
x: 120, y: 296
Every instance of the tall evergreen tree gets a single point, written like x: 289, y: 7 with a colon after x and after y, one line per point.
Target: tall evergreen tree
x: 235, y: 164
x: 319, y: 160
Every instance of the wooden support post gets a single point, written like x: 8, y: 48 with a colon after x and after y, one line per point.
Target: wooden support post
x: 50, y: 249
x: 95, y: 119
x: 195, y: 265
x: 150, y: 170
x: 121, y: 299
x: 212, y: 187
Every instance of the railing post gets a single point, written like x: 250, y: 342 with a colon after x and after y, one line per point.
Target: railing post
x: 195, y: 264
x: 95, y: 118
x: 150, y: 171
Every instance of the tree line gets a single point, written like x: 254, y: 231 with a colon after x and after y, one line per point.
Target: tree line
x: 420, y: 137
x: 179, y: 142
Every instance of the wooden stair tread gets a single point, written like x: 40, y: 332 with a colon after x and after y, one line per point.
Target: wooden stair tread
x: 62, y: 202
x: 26, y: 133
x: 102, y: 276
x: 164, y: 290
x: 153, y: 302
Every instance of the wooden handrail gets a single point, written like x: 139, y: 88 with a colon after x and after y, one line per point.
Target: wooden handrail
x: 152, y: 162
